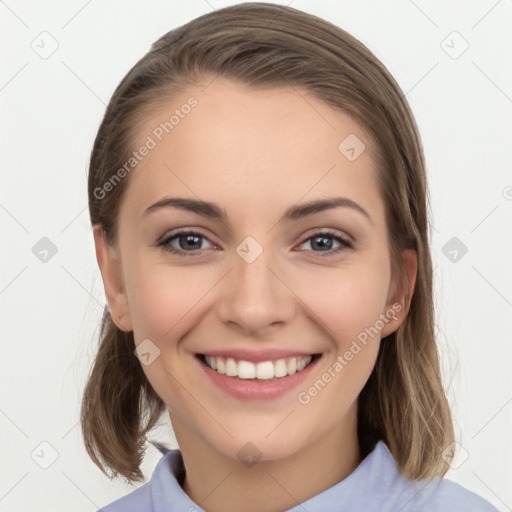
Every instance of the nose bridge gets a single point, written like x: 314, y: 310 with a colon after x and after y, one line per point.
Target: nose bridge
x: 255, y: 296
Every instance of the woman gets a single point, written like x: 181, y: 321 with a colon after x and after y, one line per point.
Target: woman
x: 257, y: 191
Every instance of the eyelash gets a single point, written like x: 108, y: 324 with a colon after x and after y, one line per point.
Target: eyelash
x: 344, y: 243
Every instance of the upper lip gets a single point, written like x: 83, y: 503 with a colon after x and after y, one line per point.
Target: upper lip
x: 256, y: 356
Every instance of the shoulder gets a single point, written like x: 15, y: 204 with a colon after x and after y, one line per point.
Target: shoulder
x: 137, y: 500
x: 393, y: 491
x: 436, y: 494
x: 377, y: 485
x: 142, y: 498
x: 444, y: 495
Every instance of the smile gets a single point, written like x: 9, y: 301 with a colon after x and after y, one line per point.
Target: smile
x: 263, y: 370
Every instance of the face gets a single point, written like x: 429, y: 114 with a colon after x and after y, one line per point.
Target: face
x: 253, y: 284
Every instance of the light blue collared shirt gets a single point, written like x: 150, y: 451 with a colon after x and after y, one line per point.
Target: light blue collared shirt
x: 374, y: 486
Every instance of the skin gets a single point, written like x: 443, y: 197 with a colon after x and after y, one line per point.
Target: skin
x: 255, y: 154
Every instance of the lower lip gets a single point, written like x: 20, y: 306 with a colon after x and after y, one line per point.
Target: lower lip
x: 247, y: 389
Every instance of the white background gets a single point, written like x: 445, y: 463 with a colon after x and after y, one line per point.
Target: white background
x: 51, y: 109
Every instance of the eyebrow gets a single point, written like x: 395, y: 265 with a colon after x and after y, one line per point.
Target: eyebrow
x: 211, y: 210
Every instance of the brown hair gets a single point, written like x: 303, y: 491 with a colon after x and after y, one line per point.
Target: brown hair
x: 266, y: 45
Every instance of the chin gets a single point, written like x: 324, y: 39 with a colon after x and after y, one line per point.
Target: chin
x: 258, y: 442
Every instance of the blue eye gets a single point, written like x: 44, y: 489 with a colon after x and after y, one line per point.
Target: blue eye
x: 192, y: 240
x: 321, y: 240
x: 185, y: 240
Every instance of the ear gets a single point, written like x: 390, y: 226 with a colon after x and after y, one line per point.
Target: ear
x: 400, y: 294
x: 109, y: 262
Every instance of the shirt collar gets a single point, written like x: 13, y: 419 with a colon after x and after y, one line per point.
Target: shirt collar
x: 167, y: 494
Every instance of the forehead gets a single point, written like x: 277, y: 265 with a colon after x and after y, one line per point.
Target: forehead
x: 248, y: 149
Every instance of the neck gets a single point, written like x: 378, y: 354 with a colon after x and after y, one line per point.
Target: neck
x: 221, y: 484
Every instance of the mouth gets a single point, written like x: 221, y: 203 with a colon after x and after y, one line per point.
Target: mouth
x: 262, y: 371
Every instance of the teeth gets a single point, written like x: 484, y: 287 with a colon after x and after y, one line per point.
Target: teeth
x: 221, y: 366
x: 245, y: 370
x: 301, y: 364
x: 231, y: 368
x: 265, y: 370
x: 280, y: 369
x: 291, y: 366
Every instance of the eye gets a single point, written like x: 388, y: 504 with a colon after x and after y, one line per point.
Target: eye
x: 322, y: 240
x: 188, y: 242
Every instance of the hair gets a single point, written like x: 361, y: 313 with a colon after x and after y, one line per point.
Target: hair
x: 265, y: 45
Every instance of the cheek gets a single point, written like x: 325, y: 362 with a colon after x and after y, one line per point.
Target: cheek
x: 349, y: 310
x: 165, y: 304
x: 163, y: 299
x: 347, y: 300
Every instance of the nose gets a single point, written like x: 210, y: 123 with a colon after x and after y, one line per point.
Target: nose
x: 255, y: 297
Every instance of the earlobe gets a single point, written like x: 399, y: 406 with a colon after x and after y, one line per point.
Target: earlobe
x: 401, y: 294
x: 111, y: 272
